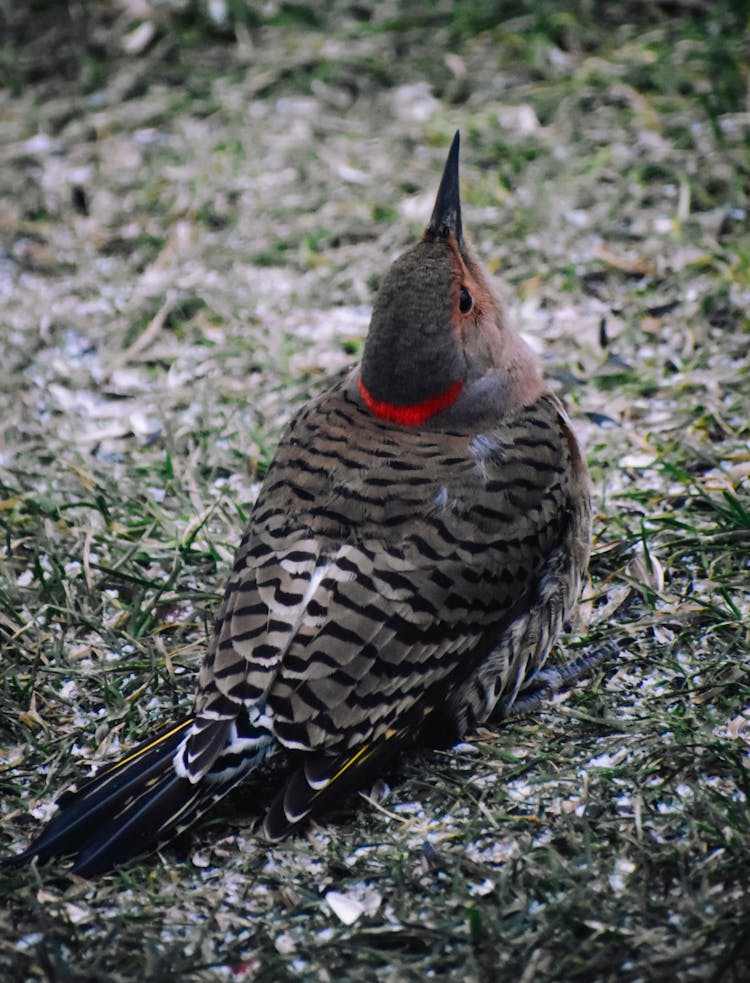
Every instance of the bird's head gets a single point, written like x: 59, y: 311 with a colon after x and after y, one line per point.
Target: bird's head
x: 438, y: 345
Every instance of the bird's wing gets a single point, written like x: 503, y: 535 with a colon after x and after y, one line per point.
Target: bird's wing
x: 374, y: 574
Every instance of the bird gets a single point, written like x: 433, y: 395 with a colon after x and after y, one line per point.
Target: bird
x: 418, y: 543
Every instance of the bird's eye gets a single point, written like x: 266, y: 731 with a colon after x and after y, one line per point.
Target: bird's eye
x: 465, y: 301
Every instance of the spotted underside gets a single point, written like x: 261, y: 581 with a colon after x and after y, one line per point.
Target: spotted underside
x: 387, y: 573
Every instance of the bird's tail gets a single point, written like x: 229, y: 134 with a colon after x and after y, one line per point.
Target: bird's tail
x: 133, y: 805
x: 323, y: 780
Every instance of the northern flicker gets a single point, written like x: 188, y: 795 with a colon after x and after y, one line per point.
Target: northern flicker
x: 416, y: 547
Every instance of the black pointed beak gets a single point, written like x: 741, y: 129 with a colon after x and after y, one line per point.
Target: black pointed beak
x: 446, y: 215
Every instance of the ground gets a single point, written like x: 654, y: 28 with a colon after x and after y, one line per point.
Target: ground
x: 197, y: 202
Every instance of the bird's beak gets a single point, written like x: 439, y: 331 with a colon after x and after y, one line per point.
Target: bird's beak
x: 446, y: 215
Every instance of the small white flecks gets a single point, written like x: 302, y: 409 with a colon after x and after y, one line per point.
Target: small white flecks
x: 480, y: 890
x: 285, y: 944
x: 346, y: 908
x: 200, y: 860
x: 44, y: 812
x: 564, y: 806
x: 361, y: 852
x: 142, y: 424
x: 317, y: 576
x: 76, y: 914
x: 608, y: 760
x: 662, y: 224
x: 136, y: 42
x: 577, y: 217
x: 520, y: 791
x: 520, y: 119
x: 482, y: 446
x: 408, y: 808
x: 349, y: 174
x: 668, y: 808
x: 29, y: 941
x: 69, y: 690
x: 647, y: 570
x: 463, y: 747
x: 25, y: 578
x: 10, y: 756
x: 42, y: 144
x: 739, y: 727
x: 495, y: 852
x: 379, y: 791
x: 623, y: 869
x: 638, y: 461
x: 684, y: 791
x: 595, y: 925
x: 624, y: 805
x: 482, y: 781
x: 441, y: 499
x: 218, y: 12
x: 371, y: 901
x: 415, y: 103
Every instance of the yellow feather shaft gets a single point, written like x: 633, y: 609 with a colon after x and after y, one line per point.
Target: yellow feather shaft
x: 361, y: 756
x: 146, y: 748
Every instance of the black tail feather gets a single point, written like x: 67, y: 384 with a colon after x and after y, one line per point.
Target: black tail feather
x: 320, y: 781
x: 85, y: 810
x: 155, y: 814
x: 128, y: 807
x: 141, y: 800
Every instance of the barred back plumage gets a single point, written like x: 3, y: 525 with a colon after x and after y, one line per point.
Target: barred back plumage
x: 406, y: 569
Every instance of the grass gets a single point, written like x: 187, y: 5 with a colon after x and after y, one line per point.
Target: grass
x: 241, y: 202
